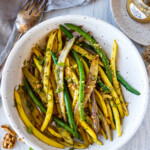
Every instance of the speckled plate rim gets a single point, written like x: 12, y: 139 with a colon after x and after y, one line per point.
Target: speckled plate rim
x: 122, y: 28
x: 3, y: 86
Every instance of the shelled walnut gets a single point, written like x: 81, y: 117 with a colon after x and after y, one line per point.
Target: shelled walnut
x: 10, y: 138
x: 8, y: 141
x: 7, y: 129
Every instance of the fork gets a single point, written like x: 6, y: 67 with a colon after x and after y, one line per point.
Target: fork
x: 27, y: 17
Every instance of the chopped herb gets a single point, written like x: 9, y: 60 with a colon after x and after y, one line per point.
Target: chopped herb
x: 44, y: 92
x: 19, y: 87
x: 100, y: 117
x: 59, y: 90
x: 38, y: 82
x: 88, y: 121
x: 38, y: 85
x: 61, y: 64
x: 84, y: 54
x: 110, y: 89
x: 90, y: 100
x: 30, y: 148
x: 93, y: 77
x: 57, y: 73
x: 49, y: 95
x: 46, y: 85
x: 74, y: 66
x: 94, y: 126
x: 47, y: 49
x: 87, y: 112
x: 28, y: 61
x: 80, y: 44
x: 108, y: 100
x: 30, y: 130
x: 116, y: 105
x: 33, y: 65
x: 25, y: 61
x: 104, y: 87
x: 37, y: 90
x: 44, y: 61
x: 47, y: 76
x: 30, y: 105
x: 48, y: 53
x: 40, y: 59
x: 69, y: 80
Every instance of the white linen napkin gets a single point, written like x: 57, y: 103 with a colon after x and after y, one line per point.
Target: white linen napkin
x: 10, y: 8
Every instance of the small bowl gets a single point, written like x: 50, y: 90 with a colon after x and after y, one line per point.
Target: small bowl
x: 130, y: 66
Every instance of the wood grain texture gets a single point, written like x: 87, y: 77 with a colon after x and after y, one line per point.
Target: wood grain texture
x: 99, y: 9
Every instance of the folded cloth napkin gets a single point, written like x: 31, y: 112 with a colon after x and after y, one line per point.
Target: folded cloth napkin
x: 10, y: 8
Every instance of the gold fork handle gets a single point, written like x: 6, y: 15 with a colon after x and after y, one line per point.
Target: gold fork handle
x: 14, y: 37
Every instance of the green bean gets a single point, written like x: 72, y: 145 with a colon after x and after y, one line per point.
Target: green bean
x: 55, y: 59
x: 68, y: 106
x: 86, y: 60
x: 126, y: 85
x: 67, y: 102
x: 96, y: 46
x: 103, y: 86
x: 35, y: 84
x: 65, y: 126
x: 120, y: 79
x: 69, y: 111
x: 87, y: 46
x: 62, y: 124
x: 69, y: 35
x: 43, y: 109
x: 34, y: 98
x: 81, y: 72
x: 81, y: 84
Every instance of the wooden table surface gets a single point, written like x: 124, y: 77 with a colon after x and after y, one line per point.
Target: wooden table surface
x: 99, y: 9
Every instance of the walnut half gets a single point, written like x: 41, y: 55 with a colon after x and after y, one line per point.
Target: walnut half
x: 7, y: 129
x: 10, y: 138
x: 8, y: 141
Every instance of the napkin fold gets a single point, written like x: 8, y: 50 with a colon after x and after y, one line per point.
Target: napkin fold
x: 60, y: 4
x: 10, y: 8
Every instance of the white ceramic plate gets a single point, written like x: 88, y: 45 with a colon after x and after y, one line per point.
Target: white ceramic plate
x: 130, y: 65
x: 139, y: 32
